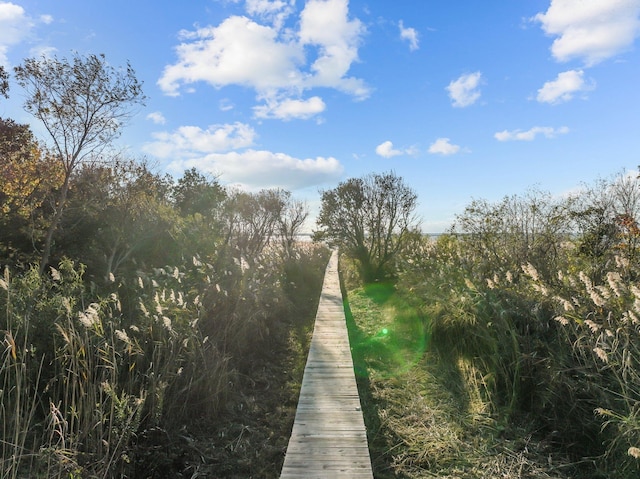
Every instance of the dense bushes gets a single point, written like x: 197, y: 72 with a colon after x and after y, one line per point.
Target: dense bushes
x: 537, y: 304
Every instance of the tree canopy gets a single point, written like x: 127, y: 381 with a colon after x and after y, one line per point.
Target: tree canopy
x: 83, y: 104
x: 370, y: 218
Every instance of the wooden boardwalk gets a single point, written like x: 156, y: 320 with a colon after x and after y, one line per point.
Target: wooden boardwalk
x: 328, y: 439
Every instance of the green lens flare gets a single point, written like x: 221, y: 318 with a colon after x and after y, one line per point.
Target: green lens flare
x: 388, y: 335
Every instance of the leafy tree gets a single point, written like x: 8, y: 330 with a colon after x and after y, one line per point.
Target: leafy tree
x: 293, y: 216
x: 371, y: 219
x: 200, y: 202
x: 606, y: 216
x: 26, y: 170
x: 117, y: 215
x: 253, y: 219
x: 4, y: 82
x: 83, y: 104
x: 519, y: 229
x: 195, y: 193
x: 28, y: 175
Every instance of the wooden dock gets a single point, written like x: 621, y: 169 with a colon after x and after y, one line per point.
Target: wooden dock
x: 328, y: 439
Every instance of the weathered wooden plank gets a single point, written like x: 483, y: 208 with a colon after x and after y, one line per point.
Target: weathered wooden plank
x: 328, y: 439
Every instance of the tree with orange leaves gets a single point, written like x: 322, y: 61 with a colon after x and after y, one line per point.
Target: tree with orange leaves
x: 27, y: 173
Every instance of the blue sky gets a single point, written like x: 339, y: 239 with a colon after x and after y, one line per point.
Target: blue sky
x: 464, y: 99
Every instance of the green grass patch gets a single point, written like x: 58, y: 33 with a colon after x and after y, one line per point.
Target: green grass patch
x: 419, y: 417
x: 391, y: 336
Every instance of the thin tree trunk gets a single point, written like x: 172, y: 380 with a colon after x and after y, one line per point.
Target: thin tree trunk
x: 46, y: 251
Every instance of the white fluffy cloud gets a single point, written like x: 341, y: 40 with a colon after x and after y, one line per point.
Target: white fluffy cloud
x: 275, y: 11
x: 238, y: 51
x: 226, y: 150
x: 465, y: 90
x: 157, y: 117
x: 191, y: 141
x: 274, y: 61
x: 387, y: 150
x: 289, y: 109
x: 590, y: 30
x: 257, y: 169
x: 531, y: 134
x: 15, y: 25
x: 410, y: 35
x: 564, y: 87
x: 325, y: 24
x: 443, y: 146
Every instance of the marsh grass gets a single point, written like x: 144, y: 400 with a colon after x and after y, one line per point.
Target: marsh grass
x: 599, y: 320
x: 428, y: 415
x: 555, y: 354
x: 94, y: 380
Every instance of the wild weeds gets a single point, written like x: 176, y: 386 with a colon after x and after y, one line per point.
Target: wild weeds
x: 562, y: 348
x: 600, y: 320
x: 83, y: 374
x: 19, y: 381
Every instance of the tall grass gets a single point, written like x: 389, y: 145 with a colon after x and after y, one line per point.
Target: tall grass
x: 559, y: 350
x: 17, y: 393
x: 87, y: 371
x: 600, y: 321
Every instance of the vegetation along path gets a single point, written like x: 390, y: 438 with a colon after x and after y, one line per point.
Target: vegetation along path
x: 328, y: 437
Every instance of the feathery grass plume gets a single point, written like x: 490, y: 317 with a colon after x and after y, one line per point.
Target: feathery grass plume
x: 531, y: 271
x: 540, y: 288
x: 166, y: 322
x: 158, y: 306
x: 603, y: 291
x: 566, y: 305
x: 621, y: 262
x: 55, y: 274
x: 615, y: 283
x: 593, y: 326
x: 634, y: 452
x: 122, y: 335
x: 601, y: 354
x: 585, y: 280
x: 596, y: 298
x: 90, y: 316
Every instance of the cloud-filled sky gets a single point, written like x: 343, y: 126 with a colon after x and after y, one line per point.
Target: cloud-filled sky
x: 463, y: 99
